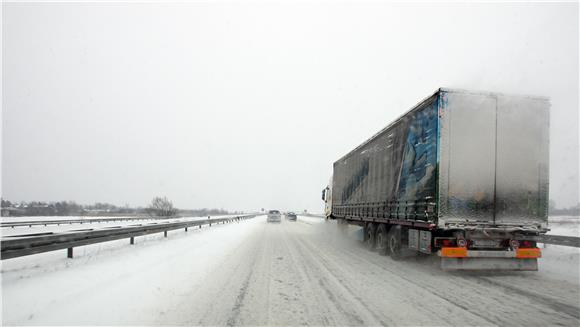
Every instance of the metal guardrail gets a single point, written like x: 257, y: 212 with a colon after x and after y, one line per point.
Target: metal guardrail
x: 72, y: 221
x: 560, y: 240
x: 29, y: 244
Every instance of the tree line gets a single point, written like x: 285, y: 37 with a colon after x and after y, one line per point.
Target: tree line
x: 570, y: 211
x: 159, y: 206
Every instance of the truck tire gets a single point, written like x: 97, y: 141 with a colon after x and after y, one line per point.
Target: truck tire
x: 370, y: 236
x: 394, y: 243
x: 381, y: 239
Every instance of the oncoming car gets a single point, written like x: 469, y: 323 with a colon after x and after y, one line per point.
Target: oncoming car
x: 274, y: 216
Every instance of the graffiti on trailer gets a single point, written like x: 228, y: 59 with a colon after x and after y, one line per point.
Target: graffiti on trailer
x: 418, y: 171
x: 356, y: 181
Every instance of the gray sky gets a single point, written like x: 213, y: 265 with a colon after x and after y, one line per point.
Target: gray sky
x: 247, y: 106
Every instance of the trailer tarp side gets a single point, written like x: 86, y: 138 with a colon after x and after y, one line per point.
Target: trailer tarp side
x: 394, y: 174
x: 458, y: 157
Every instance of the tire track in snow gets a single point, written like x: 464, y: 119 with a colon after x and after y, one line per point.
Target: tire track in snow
x: 460, y: 290
x: 573, y: 311
x: 238, y: 266
x: 388, y: 283
x: 325, y: 292
x: 338, y: 282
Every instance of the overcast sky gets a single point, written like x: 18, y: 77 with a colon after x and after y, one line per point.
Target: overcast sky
x: 247, y: 106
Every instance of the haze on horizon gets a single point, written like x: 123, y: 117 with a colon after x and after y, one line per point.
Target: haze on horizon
x: 247, y: 106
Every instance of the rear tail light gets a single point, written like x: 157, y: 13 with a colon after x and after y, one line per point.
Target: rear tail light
x: 445, y: 242
x: 514, y: 244
x: 454, y: 252
x: 528, y: 253
x: 527, y: 244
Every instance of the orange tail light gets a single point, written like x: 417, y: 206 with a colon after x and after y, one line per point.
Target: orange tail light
x: 528, y: 253
x: 455, y: 252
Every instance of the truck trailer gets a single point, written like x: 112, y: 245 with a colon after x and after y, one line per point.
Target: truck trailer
x: 463, y: 175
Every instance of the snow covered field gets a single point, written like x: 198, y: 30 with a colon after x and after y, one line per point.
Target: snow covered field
x: 21, y: 230
x: 564, y: 225
x: 562, y: 262
x: 54, y: 218
x: 293, y: 273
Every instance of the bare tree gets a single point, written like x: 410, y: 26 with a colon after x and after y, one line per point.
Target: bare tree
x: 161, y: 206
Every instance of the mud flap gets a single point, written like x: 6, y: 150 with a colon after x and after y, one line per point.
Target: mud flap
x: 489, y: 264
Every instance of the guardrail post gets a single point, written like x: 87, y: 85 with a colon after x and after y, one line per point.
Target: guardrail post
x: 132, y: 240
x: 69, y: 253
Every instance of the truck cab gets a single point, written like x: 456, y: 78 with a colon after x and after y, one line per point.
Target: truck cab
x: 327, y: 198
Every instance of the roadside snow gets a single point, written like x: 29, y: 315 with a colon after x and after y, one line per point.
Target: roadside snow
x: 23, y: 230
x: 142, y: 280
x: 294, y: 273
x: 564, y: 225
x: 561, y: 262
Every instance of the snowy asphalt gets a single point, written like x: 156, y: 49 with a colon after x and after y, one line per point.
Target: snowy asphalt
x: 255, y: 273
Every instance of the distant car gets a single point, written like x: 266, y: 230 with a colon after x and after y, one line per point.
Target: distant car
x: 274, y: 216
x: 290, y: 216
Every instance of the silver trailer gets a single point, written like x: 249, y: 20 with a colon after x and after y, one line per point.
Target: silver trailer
x: 462, y: 174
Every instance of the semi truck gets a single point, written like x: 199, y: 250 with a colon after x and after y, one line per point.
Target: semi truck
x: 462, y: 175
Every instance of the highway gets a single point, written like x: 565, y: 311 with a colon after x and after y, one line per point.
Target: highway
x: 255, y: 273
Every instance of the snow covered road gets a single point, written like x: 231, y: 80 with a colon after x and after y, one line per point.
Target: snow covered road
x: 255, y: 273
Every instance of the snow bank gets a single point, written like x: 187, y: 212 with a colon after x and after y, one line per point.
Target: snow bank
x: 20, y: 230
x: 141, y: 280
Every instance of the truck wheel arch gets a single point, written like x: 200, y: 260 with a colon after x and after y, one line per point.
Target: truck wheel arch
x: 370, y: 235
x: 381, y: 242
x: 395, y: 242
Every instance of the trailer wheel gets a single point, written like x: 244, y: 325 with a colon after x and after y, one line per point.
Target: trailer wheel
x: 394, y: 242
x: 382, y: 237
x: 370, y: 236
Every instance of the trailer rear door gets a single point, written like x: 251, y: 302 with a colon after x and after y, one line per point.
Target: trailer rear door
x: 467, y: 157
x: 493, y: 158
x: 522, y: 160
